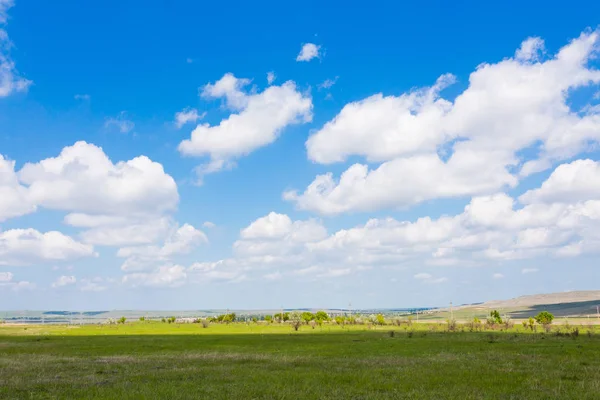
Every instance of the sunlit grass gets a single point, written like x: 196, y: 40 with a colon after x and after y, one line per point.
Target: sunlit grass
x: 240, y: 361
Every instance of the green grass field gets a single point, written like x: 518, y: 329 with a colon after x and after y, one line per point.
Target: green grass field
x: 239, y: 361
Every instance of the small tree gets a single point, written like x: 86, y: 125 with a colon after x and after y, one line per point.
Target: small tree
x: 321, y: 316
x: 545, y: 319
x: 122, y: 320
x: 531, y: 323
x: 142, y: 319
x: 380, y: 319
x: 295, y: 319
x: 269, y: 318
x: 307, y: 316
x: 495, y: 317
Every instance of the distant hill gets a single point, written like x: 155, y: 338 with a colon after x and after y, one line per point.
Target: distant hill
x: 564, y: 304
x: 543, y: 299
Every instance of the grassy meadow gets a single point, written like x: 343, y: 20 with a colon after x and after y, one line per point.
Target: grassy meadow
x: 148, y: 360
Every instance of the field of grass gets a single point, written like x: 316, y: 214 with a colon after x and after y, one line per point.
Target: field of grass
x: 238, y: 361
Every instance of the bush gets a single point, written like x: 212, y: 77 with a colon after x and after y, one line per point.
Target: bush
x: 205, y: 323
x: 321, y: 316
x: 495, y: 317
x: 531, y: 323
x: 544, y: 318
x: 121, y: 320
x: 307, y: 316
x: 142, y: 319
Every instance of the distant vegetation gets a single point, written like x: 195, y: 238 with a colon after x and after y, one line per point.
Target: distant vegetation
x: 297, y: 319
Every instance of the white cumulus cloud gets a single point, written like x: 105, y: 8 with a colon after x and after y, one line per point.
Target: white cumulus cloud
x: 260, y: 119
x: 29, y: 246
x: 428, y: 147
x: 308, y: 52
x: 179, y: 241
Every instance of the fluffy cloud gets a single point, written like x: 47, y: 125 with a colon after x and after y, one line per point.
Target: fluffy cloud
x: 403, y: 182
x: 115, y: 204
x: 260, y: 119
x: 277, y: 235
x: 429, y: 147
x: 14, y: 201
x: 65, y: 280
x: 83, y: 179
x: 28, y: 246
x: 187, y: 115
x: 491, y: 229
x: 271, y: 77
x: 308, y: 52
x: 120, y: 204
x: 569, y: 182
x: 10, y: 79
x: 121, y: 231
x: 180, y: 241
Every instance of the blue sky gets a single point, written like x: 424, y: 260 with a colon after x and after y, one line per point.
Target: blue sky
x: 398, y: 155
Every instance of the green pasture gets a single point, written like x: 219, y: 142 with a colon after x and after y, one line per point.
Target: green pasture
x: 152, y: 360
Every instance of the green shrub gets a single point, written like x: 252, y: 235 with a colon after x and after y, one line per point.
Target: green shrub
x: 321, y: 316
x: 544, y: 318
x: 495, y: 317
